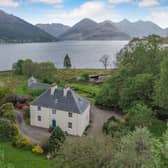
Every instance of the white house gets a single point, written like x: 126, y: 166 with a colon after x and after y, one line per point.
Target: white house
x: 63, y: 108
x: 34, y: 84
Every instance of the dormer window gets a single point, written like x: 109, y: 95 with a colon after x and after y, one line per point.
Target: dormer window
x: 39, y: 108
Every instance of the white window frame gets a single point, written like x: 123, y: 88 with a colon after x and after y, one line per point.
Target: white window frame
x: 54, y: 111
x: 70, y: 125
x: 39, y: 118
x: 70, y: 115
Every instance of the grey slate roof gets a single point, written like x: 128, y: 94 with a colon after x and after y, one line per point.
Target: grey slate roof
x: 72, y: 102
x: 33, y: 84
x: 39, y: 86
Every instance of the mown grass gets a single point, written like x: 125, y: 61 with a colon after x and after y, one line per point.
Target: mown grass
x: 23, y: 159
x: 92, y: 89
x: 87, y: 90
x: 22, y: 90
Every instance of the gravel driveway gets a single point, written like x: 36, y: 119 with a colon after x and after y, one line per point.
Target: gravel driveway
x: 98, y: 118
x: 35, y: 134
x: 40, y: 135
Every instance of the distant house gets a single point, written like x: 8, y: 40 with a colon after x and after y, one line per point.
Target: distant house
x: 34, y: 84
x: 61, y: 107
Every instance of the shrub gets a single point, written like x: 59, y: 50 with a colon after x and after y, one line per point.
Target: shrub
x: 10, y: 98
x: 56, y: 139
x: 7, y: 111
x: 22, y: 142
x: 21, y: 106
x: 26, y: 111
x: 8, y: 130
x: 4, y: 91
x: 85, y: 77
x: 37, y: 149
x: 140, y: 115
x: 115, y: 127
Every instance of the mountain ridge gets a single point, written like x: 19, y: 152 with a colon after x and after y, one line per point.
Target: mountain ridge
x: 88, y: 29
x: 54, y: 29
x: 15, y: 29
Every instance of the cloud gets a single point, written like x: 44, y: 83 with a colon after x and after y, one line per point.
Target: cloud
x: 159, y: 18
x: 148, y: 3
x: 8, y: 3
x: 48, y: 1
x: 119, y: 1
x: 95, y: 10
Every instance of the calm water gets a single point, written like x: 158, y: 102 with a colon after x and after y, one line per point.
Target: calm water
x: 84, y: 54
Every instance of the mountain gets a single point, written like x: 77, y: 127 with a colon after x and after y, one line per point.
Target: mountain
x: 140, y: 28
x: 166, y: 32
x: 14, y: 29
x: 88, y: 29
x: 54, y: 29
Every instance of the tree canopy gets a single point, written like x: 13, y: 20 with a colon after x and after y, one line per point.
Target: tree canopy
x: 141, y: 75
x: 67, y: 62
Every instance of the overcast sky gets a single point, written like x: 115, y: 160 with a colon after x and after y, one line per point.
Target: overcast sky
x: 71, y: 11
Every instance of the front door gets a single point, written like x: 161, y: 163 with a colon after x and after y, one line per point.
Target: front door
x: 53, y: 123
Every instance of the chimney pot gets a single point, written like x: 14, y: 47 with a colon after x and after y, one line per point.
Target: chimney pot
x: 66, y: 89
x: 53, y: 88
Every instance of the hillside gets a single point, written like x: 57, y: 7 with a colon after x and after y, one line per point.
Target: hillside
x: 140, y: 28
x: 88, y: 29
x: 54, y: 29
x: 14, y: 29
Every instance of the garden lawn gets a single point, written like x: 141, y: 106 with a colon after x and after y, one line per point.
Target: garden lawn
x: 21, y: 90
x: 23, y: 159
x: 86, y: 90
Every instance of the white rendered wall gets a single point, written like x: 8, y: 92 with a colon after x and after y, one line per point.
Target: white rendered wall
x: 79, y: 121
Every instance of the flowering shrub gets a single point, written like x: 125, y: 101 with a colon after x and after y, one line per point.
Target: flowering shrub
x: 22, y: 142
x: 21, y: 106
x: 37, y: 149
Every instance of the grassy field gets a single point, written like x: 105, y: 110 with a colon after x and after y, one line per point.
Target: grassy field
x: 64, y: 74
x: 18, y: 83
x: 86, y: 90
x: 23, y: 159
x: 11, y: 80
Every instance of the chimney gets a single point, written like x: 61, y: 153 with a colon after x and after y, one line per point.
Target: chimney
x: 66, y: 89
x: 53, y: 88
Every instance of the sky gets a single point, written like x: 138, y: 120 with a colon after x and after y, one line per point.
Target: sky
x: 70, y: 12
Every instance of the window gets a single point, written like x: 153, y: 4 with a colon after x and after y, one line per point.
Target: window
x: 39, y: 118
x: 54, y: 111
x: 69, y: 114
x: 39, y: 108
x: 69, y: 125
